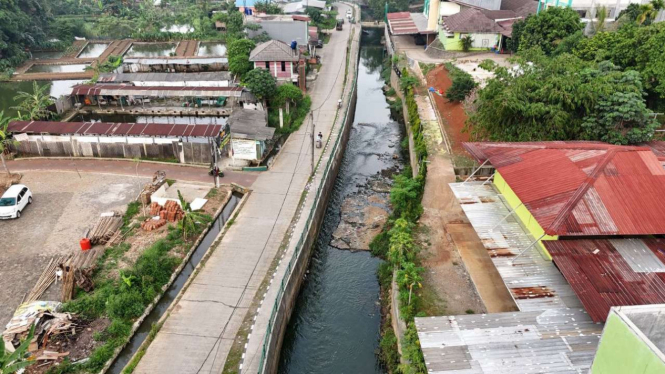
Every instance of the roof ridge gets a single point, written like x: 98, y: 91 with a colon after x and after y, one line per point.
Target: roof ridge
x: 582, y: 190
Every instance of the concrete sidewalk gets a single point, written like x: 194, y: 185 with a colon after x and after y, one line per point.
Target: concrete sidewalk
x: 130, y: 167
x: 198, y: 334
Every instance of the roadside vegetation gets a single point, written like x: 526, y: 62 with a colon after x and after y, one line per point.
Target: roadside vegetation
x: 124, y: 288
x: 568, y: 86
x: 397, y: 245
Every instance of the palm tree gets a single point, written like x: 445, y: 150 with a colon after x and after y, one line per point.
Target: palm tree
x: 190, y: 218
x: 601, y: 18
x: 409, y: 277
x: 649, y: 12
x: 11, y: 363
x: 4, y: 142
x: 34, y: 103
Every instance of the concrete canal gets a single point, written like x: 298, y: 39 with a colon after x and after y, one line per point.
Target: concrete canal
x: 335, y: 325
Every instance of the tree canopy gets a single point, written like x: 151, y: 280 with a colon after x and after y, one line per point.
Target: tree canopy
x: 545, y: 29
x: 238, y: 52
x: 261, y: 83
x: 562, y: 98
x: 23, y: 24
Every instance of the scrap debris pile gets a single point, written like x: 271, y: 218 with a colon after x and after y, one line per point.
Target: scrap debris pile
x: 106, y: 228
x: 170, y: 212
x: 158, y: 180
x: 48, y: 323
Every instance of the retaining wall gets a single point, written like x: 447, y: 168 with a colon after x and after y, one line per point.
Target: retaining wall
x: 301, y: 264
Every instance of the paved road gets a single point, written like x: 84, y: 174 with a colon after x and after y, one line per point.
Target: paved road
x: 197, y: 336
x: 128, y: 167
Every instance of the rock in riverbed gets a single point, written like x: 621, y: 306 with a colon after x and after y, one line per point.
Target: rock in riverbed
x: 362, y: 219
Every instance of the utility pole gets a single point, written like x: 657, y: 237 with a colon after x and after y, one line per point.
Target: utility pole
x: 311, y: 116
x: 215, y: 149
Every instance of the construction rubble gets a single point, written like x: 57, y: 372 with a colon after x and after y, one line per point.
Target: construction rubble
x: 48, y: 324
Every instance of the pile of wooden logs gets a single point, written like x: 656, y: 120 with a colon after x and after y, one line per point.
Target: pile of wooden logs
x: 105, y: 228
x: 171, y: 211
x: 153, y: 224
x: 77, y: 270
x: 46, y: 279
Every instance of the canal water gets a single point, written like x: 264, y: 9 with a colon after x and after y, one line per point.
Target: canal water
x: 151, y: 50
x: 93, y: 50
x: 215, y: 49
x: 335, y: 327
x: 163, y: 304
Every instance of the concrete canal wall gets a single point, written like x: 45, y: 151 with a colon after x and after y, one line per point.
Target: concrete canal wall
x: 293, y: 280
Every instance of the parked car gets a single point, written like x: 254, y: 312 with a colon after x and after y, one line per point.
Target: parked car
x: 319, y: 43
x: 14, y: 200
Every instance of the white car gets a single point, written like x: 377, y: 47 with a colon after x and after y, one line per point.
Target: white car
x: 14, y: 200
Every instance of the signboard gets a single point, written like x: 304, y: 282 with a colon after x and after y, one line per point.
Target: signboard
x: 223, y: 137
x: 244, y: 149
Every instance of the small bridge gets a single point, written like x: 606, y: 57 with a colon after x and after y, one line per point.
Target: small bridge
x: 380, y: 24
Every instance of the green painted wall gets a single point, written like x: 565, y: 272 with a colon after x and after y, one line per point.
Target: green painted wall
x: 621, y: 351
x: 523, y: 213
x: 453, y: 44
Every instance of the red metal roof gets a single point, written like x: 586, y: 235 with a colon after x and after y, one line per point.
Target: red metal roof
x: 401, y: 23
x: 583, y: 188
x: 112, y: 129
x: 607, y: 273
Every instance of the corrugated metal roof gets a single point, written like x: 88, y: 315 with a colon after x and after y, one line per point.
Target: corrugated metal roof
x: 533, y: 281
x: 550, y: 341
x: 583, y: 188
x: 112, y: 129
x: 155, y: 91
x: 606, y: 273
x: 405, y: 23
x: 163, y: 77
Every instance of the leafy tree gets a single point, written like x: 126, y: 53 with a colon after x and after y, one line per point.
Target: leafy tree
x: 20, y: 358
x: 262, y: 84
x: 630, y: 14
x: 116, y: 27
x: 238, y: 52
x: 546, y: 29
x: 410, y: 276
x: 404, y: 197
x: 408, y: 81
x: 4, y: 142
x: 23, y: 24
x: 562, y: 98
x: 620, y: 116
x: 34, y: 103
x: 466, y: 42
x: 601, y: 16
x: 286, y: 94
x: 267, y: 7
x: 377, y: 7
x: 314, y: 14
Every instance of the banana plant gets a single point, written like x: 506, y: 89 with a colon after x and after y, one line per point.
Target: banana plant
x: 10, y: 363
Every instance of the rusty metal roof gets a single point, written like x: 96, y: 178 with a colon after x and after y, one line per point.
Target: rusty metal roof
x: 159, y: 91
x: 533, y: 281
x: 113, y: 129
x: 546, y: 341
x: 583, y: 188
x: 405, y: 23
x: 607, y: 273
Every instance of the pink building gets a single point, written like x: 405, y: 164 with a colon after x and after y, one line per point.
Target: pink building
x: 278, y: 58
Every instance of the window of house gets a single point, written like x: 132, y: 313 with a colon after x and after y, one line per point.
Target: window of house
x: 268, y: 65
x: 283, y: 65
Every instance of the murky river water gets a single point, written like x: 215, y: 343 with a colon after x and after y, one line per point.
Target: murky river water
x: 335, y: 325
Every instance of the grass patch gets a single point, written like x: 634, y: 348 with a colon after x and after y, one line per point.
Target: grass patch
x: 169, y: 182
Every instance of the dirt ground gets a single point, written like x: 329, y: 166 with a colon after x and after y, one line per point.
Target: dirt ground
x: 453, y: 113
x: 459, y: 272
x: 64, y: 206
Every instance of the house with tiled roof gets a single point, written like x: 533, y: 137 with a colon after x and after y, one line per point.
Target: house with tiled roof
x: 278, y: 58
x: 488, y: 22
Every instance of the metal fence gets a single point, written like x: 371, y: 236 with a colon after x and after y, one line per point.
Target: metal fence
x: 303, y: 235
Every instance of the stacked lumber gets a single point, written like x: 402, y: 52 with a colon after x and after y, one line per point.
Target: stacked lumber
x: 46, y: 279
x: 77, y: 270
x: 105, y: 228
x: 151, y: 224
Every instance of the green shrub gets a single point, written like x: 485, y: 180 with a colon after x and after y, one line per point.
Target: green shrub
x: 125, y: 305
x: 133, y: 209
x: 379, y: 245
x: 462, y: 86
x: 389, y: 353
